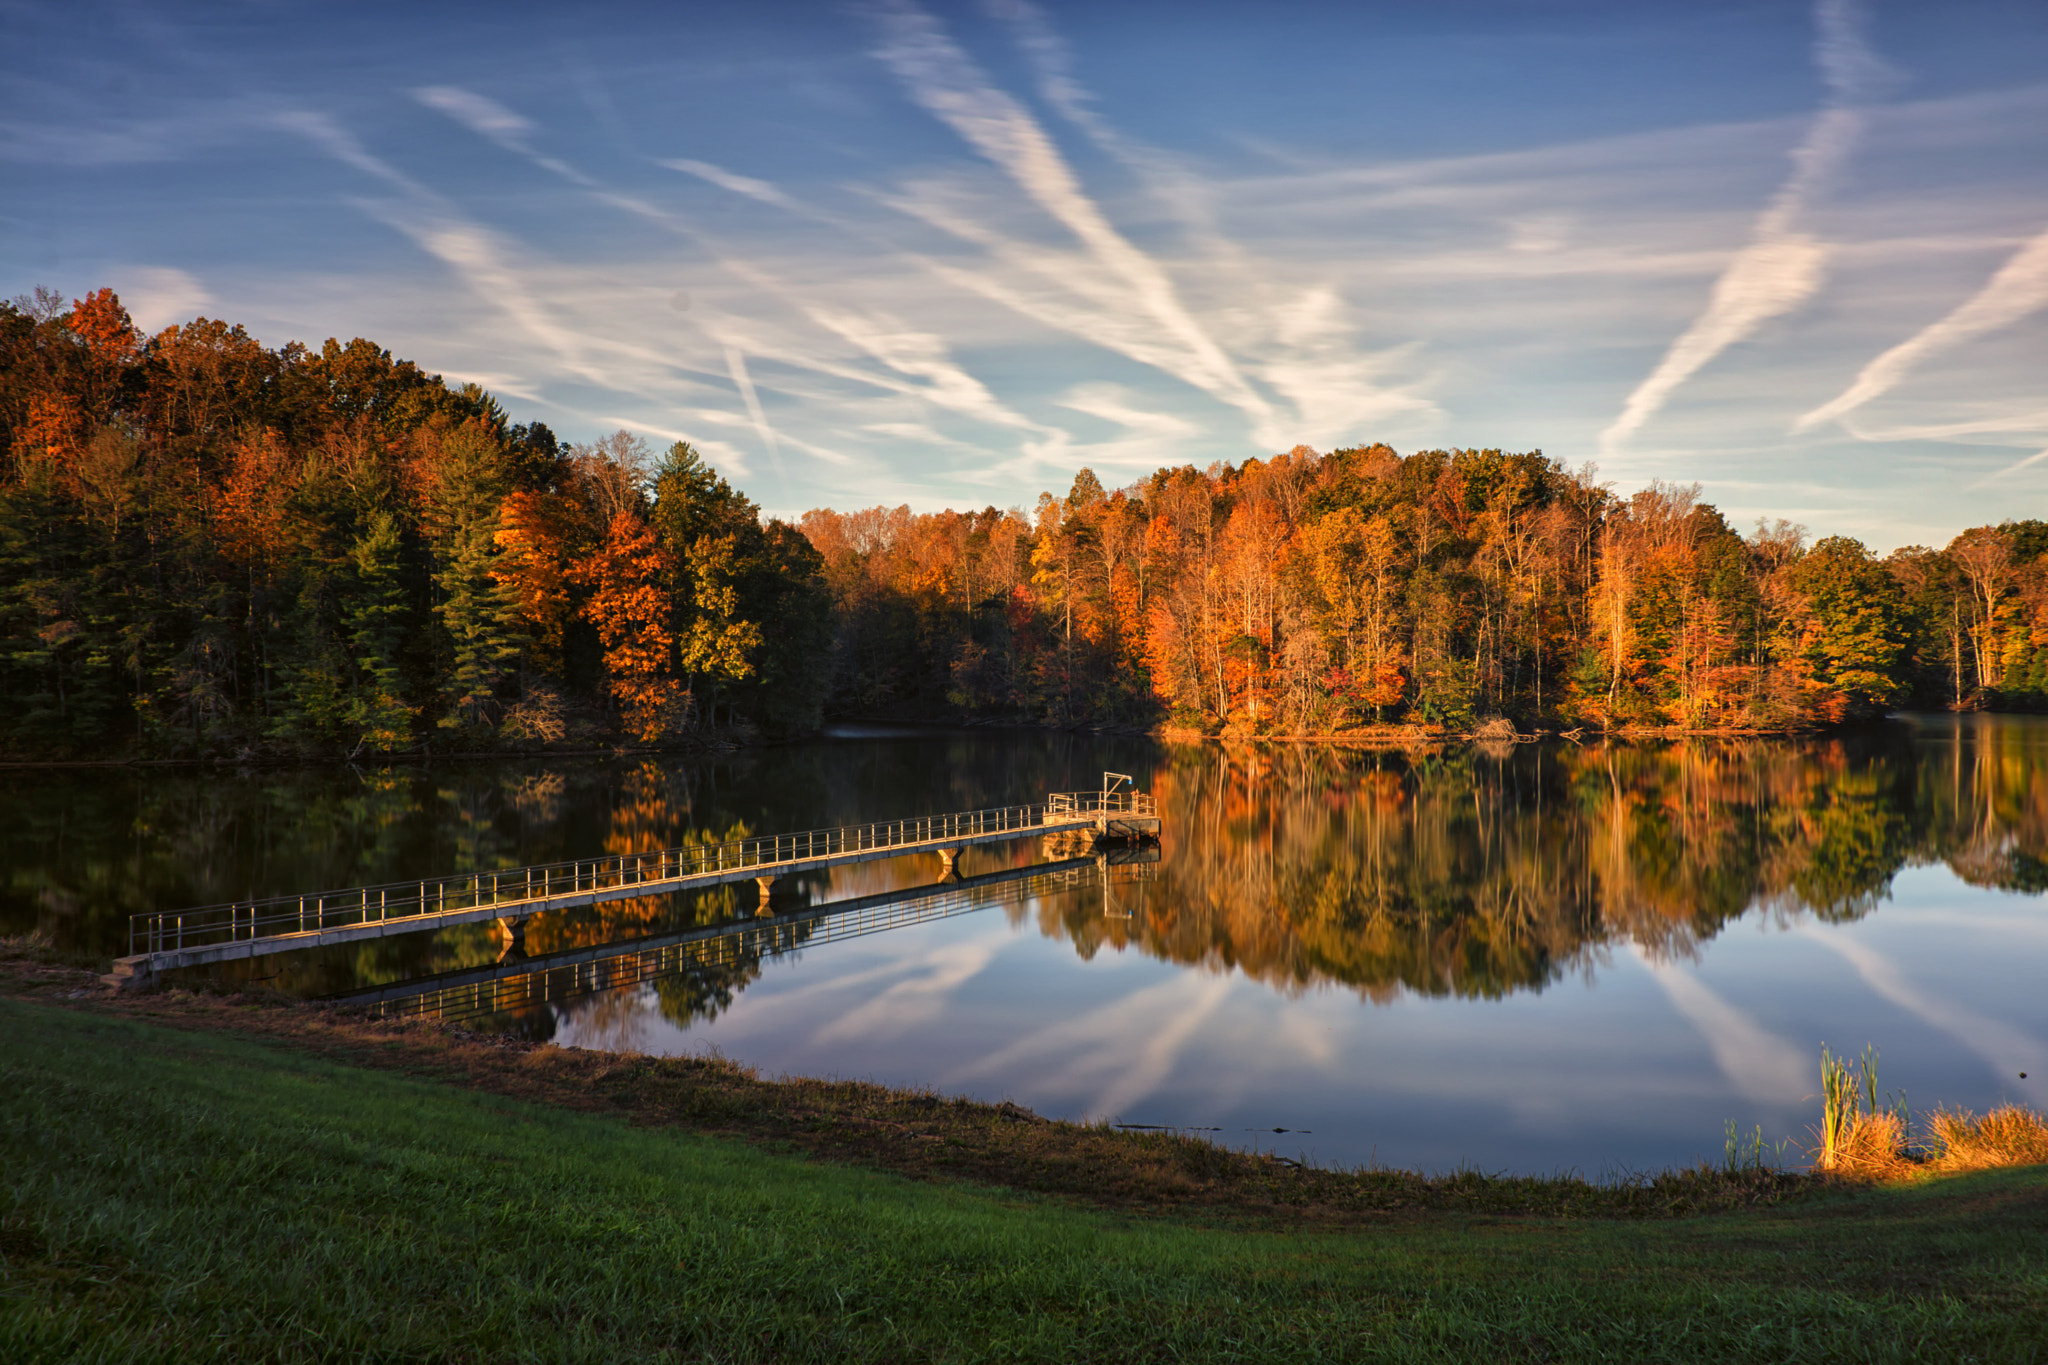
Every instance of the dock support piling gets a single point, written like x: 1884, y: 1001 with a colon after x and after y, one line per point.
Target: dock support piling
x: 511, y: 937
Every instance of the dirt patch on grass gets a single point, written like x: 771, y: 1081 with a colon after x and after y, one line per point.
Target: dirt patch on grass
x: 911, y: 1132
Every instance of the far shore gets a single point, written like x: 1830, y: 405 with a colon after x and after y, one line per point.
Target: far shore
x: 1493, y: 730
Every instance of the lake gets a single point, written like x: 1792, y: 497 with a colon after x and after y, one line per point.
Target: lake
x: 1530, y: 958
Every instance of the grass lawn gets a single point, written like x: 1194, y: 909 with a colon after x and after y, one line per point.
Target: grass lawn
x: 179, y: 1195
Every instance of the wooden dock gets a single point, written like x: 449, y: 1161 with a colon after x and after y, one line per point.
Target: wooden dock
x: 164, y: 940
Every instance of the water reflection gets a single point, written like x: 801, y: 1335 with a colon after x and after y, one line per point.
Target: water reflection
x: 692, y: 975
x: 1454, y: 872
x: 1474, y: 874
x: 1465, y: 895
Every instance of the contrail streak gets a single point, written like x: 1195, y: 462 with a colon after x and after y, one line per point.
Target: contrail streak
x: 741, y: 380
x: 939, y: 76
x: 2019, y: 288
x: 1781, y: 267
x: 2010, y: 470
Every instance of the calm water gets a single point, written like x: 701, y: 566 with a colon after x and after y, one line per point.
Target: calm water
x: 1540, y: 958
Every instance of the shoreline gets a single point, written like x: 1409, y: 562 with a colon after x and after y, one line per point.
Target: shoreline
x: 909, y: 1131
x: 1370, y: 737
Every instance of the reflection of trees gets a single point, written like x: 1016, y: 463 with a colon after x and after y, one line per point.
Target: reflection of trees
x: 704, y: 990
x: 1985, y: 782
x: 692, y: 982
x: 83, y: 849
x: 652, y: 807
x: 1471, y: 874
x: 1459, y: 873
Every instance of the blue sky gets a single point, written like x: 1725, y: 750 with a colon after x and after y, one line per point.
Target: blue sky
x: 947, y: 254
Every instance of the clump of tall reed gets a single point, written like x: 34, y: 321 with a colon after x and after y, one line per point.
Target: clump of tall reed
x: 1861, y: 1139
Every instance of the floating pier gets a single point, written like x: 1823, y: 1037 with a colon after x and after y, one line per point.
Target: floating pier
x: 164, y: 940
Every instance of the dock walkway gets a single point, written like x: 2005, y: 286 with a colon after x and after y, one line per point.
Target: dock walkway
x: 163, y: 940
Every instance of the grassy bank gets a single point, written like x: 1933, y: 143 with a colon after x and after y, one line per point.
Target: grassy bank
x: 908, y: 1131
x: 172, y: 1193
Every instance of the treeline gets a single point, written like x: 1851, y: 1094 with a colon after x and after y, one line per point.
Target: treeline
x: 208, y: 547
x: 1311, y: 594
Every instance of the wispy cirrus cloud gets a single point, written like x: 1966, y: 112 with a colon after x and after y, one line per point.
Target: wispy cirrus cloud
x: 1783, y: 265
x: 941, y: 78
x: 925, y: 358
x: 478, y: 255
x: 158, y: 296
x: 736, y: 364
x: 732, y: 181
x: 1127, y: 274
x: 920, y: 361
x: 479, y: 113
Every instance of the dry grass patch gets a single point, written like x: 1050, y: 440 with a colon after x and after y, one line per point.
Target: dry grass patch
x: 2010, y: 1135
x: 1863, y: 1140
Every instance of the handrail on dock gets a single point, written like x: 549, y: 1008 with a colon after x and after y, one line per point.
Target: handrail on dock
x: 1103, y: 803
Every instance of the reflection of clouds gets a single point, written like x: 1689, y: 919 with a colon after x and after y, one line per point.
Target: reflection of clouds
x: 1308, y: 1037
x: 2004, y: 1048
x: 611, y: 1021
x: 1095, y: 1048
x: 918, y: 999
x: 1757, y: 1062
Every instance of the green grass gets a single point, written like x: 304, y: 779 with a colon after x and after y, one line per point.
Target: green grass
x: 183, y: 1196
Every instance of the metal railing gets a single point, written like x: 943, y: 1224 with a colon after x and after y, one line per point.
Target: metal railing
x: 169, y: 930
x: 1101, y: 803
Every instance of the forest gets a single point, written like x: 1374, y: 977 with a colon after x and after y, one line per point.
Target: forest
x: 211, y: 548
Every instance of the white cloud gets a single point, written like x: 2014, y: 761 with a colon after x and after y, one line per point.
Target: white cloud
x: 941, y: 78
x: 2000, y: 476
x: 923, y: 356
x: 1042, y: 305
x: 157, y: 296
x: 744, y: 382
x: 479, y: 113
x: 1112, y: 403
x: 738, y: 184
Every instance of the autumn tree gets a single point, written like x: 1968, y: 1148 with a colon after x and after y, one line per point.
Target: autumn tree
x: 630, y: 611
